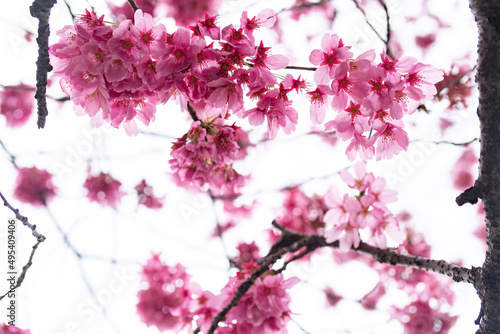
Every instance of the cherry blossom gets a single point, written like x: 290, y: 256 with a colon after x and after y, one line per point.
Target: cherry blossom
x: 348, y: 215
x: 319, y: 103
x: 165, y: 301
x: 171, y: 300
x: 263, y: 308
x: 332, y: 53
x: 423, y: 78
x: 183, y: 12
x: 16, y: 104
x: 104, y: 190
x: 300, y: 213
x: 34, y: 186
x: 247, y: 252
x: 204, y: 158
x: 120, y: 67
x: 419, y: 318
x: 370, y: 300
x: 146, y: 197
x: 462, y: 171
x: 9, y: 329
x: 187, y: 12
x: 456, y: 86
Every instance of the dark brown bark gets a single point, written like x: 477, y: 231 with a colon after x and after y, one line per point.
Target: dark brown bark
x: 487, y: 14
x: 40, y: 9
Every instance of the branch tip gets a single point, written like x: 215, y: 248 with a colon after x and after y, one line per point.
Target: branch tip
x: 471, y: 195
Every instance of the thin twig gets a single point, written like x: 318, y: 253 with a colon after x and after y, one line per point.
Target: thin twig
x: 39, y: 237
x: 12, y: 156
x: 21, y: 277
x: 192, y: 112
x: 304, y: 6
x: 301, y: 68
x: 70, y: 11
x: 384, y: 40
x: 388, y: 27
x: 78, y: 255
x: 446, y: 142
x: 133, y: 4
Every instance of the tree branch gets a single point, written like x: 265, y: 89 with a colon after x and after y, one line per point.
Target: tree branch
x: 40, y: 9
x: 291, y: 242
x: 39, y: 237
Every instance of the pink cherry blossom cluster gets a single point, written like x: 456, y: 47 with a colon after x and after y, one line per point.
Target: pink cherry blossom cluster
x: 183, y: 12
x: 456, y: 87
x: 247, y: 253
x: 204, y: 156
x: 262, y: 309
x: 34, y: 186
x: 430, y: 294
x: 120, y: 73
x: 9, y: 329
x: 167, y: 300
x: 306, y: 7
x: 371, y: 99
x: 419, y: 317
x: 16, y: 104
x: 301, y: 213
x: 172, y: 301
x: 369, y: 209
x: 146, y: 196
x: 462, y: 171
x: 105, y: 190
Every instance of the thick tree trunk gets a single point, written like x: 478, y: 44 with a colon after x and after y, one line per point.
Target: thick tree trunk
x: 487, y: 14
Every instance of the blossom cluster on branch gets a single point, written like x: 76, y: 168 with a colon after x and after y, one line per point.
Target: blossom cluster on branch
x: 120, y: 73
x: 368, y: 209
x: 172, y: 301
x: 203, y: 157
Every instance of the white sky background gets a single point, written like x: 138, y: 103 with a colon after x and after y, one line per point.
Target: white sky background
x: 54, y: 298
